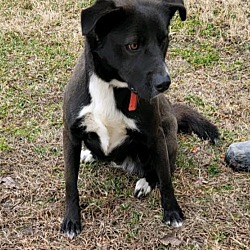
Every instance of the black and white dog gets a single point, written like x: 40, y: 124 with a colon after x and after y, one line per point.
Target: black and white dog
x: 114, y: 102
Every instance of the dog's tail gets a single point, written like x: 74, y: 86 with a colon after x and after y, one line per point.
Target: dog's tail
x: 190, y: 121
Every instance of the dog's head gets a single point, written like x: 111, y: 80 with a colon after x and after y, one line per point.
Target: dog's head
x: 128, y: 40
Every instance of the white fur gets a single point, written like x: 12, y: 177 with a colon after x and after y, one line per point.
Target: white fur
x: 71, y: 235
x: 166, y: 68
x: 175, y: 223
x: 142, y: 188
x: 118, y: 84
x: 86, y: 156
x: 102, y: 116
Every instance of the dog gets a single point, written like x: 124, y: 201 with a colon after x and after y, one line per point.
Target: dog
x: 115, y: 103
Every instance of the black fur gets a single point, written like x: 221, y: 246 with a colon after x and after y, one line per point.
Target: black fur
x: 127, y: 41
x: 190, y: 121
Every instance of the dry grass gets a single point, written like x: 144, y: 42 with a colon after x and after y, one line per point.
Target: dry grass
x: 209, y: 61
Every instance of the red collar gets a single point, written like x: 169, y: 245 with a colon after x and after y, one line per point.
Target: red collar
x: 133, y: 101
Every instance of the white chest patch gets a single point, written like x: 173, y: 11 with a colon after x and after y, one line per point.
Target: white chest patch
x: 102, y: 117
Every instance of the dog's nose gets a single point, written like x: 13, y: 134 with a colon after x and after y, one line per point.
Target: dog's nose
x: 162, y: 83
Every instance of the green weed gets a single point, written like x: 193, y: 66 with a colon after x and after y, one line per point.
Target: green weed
x: 202, y: 55
x: 213, y: 170
x: 4, y: 145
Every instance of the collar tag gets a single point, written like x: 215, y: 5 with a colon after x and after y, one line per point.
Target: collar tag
x: 133, y: 101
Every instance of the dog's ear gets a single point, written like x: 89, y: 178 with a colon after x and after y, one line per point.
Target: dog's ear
x: 91, y: 15
x: 175, y: 5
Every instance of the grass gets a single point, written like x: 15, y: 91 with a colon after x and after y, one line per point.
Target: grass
x: 209, y: 61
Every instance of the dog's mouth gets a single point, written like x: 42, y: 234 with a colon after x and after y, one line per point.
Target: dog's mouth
x: 141, y: 92
x: 151, y: 88
x: 146, y: 95
x: 132, y: 89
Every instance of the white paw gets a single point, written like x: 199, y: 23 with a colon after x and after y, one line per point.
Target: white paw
x: 174, y: 223
x: 86, y: 156
x: 142, y: 188
x: 71, y: 235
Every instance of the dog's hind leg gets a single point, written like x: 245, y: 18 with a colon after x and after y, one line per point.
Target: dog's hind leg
x: 86, y: 156
x: 146, y: 184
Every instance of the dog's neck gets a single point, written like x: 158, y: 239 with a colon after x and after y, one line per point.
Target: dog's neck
x: 108, y: 75
x: 115, y: 85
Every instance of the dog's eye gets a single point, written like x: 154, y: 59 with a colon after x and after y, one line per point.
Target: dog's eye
x: 133, y: 46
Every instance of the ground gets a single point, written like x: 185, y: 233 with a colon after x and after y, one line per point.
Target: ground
x: 209, y: 63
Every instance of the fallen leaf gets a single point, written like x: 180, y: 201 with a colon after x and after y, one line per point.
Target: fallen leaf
x: 200, y: 181
x: 8, y: 182
x: 170, y: 239
x: 28, y: 230
x: 195, y: 149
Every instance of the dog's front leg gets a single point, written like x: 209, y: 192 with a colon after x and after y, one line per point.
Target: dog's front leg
x: 71, y: 225
x: 172, y: 213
